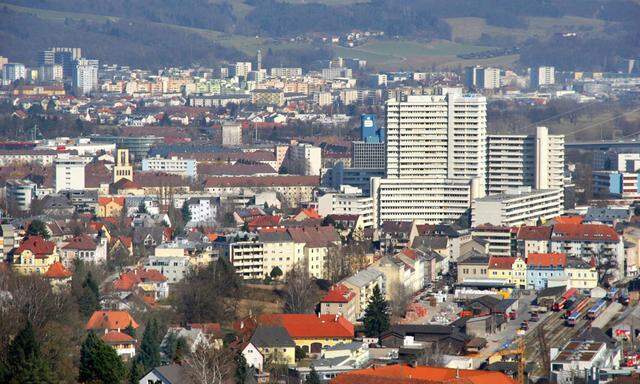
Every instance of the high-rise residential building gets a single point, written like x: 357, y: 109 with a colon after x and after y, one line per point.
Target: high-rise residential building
x: 13, y: 71
x: 50, y: 72
x: 69, y: 172
x: 241, y: 69
x: 3, y: 61
x: 535, y: 161
x: 64, y: 56
x: 482, y: 78
x: 173, y: 165
x: 231, y: 134
x: 348, y: 201
x: 542, y: 76
x: 85, y: 76
x: 305, y: 159
x: 335, y: 72
x: 517, y: 206
x: 20, y: 194
x: 46, y: 57
x: 122, y: 169
x: 441, y: 136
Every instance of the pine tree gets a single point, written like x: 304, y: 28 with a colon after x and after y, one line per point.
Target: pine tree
x: 24, y: 363
x: 99, y: 362
x: 186, y: 213
x: 136, y: 371
x: 38, y: 228
x: 149, y: 355
x: 376, y: 316
x: 313, y: 377
x: 241, y: 369
x: 129, y: 330
x: 89, y: 300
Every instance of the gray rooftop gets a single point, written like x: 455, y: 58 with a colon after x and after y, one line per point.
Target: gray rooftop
x: 363, y: 277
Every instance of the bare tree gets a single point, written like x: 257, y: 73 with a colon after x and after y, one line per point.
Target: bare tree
x: 208, y: 365
x: 337, y: 265
x: 400, y: 299
x: 301, y: 293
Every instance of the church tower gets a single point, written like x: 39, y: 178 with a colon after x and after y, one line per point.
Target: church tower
x: 123, y: 168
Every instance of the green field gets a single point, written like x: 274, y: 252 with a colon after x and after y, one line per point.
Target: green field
x: 394, y: 54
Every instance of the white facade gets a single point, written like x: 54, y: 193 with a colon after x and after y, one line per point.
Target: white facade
x: 286, y: 72
x: 50, y: 72
x: 69, y: 172
x: 349, y: 201
x: 525, y: 160
x: 231, y: 134
x: 174, y: 268
x: 85, y: 76
x: 242, y: 68
x: 20, y: 193
x: 517, y: 207
x: 305, y: 159
x: 174, y: 165
x: 247, y: 258
x: 13, y: 71
x: 543, y: 76
x: 201, y: 210
x: 440, y: 136
x: 427, y: 200
x: 483, y: 78
x: 578, y: 357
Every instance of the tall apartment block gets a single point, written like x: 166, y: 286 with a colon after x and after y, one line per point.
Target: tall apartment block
x: 442, y: 136
x: 482, y: 78
x: 85, y: 76
x: 535, y: 161
x: 542, y: 76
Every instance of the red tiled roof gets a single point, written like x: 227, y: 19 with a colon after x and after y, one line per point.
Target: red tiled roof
x: 405, y: 374
x: 534, y: 233
x: 547, y: 259
x: 410, y: 253
x: 57, y: 271
x: 106, y: 200
x: 261, y: 181
x: 569, y: 219
x: 213, y: 329
x: 501, y: 262
x: 339, y: 293
x: 309, y: 213
x: 130, y: 279
x: 110, y: 320
x: 264, y: 221
x: 37, y: 245
x: 82, y: 242
x: 237, y: 169
x: 584, y: 232
x: 310, y: 326
x: 115, y: 337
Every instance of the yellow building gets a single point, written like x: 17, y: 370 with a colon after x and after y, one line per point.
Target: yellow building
x: 581, y: 275
x: 519, y: 273
x: 275, y: 345
x: 110, y: 206
x: 512, y: 270
x: 34, y: 255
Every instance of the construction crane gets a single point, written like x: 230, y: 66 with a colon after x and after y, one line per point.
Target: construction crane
x: 519, y: 351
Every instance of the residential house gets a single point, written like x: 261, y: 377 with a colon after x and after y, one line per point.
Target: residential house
x: 146, y: 281
x: 58, y: 276
x: 124, y: 344
x: 86, y: 249
x: 149, y: 237
x: 340, y: 300
x: 167, y: 374
x: 110, y: 206
x: 201, y: 210
x: 335, y: 360
x: 274, y: 344
x: 362, y: 285
x: 472, y: 267
x: 513, y: 270
x: 541, y: 267
x: 110, y: 321
x: 34, y: 255
x: 317, y: 241
x: 581, y: 275
x: 171, y: 261
x: 279, y: 250
x: 533, y: 239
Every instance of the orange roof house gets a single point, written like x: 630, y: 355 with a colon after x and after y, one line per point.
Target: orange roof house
x: 34, y: 255
x: 110, y: 206
x: 547, y: 260
x: 57, y: 271
x: 405, y: 374
x: 501, y: 262
x: 106, y: 321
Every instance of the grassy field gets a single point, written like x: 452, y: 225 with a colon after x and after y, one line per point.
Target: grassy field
x: 470, y: 29
x: 403, y: 54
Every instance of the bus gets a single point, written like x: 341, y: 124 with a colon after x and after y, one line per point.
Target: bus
x: 572, y: 319
x: 613, y: 294
x: 596, y: 309
x: 559, y: 304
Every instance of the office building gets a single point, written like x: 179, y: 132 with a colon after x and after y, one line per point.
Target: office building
x: 440, y: 136
x: 13, y: 71
x: 541, y: 76
x: 286, y: 72
x: 20, y: 194
x: 46, y: 57
x: 426, y: 200
x: 231, y: 134
x: 85, y: 76
x: 482, y: 78
x: 173, y: 165
x: 369, y: 131
x: 518, y: 206
x: 66, y: 57
x: 368, y: 155
x: 536, y: 161
x: 69, y: 172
